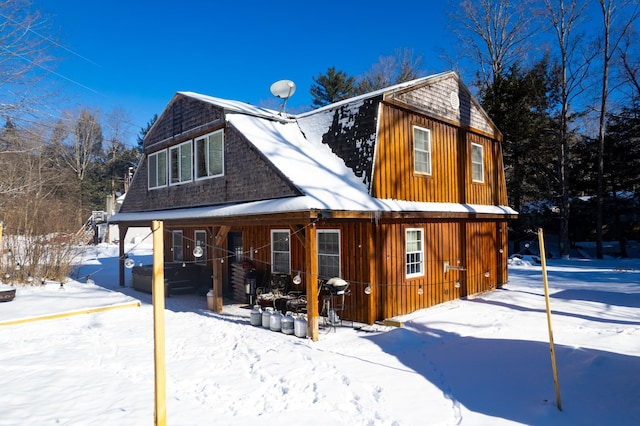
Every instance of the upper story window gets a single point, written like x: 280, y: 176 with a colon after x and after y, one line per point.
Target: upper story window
x: 210, y: 155
x: 415, y: 252
x: 280, y: 251
x: 328, y: 253
x: 181, y: 163
x: 158, y: 169
x: 421, y: 150
x: 477, y: 163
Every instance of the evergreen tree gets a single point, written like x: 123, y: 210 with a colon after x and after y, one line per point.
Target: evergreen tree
x: 333, y: 86
x: 144, y: 131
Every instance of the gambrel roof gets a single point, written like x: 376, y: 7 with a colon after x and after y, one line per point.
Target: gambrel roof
x: 327, y: 154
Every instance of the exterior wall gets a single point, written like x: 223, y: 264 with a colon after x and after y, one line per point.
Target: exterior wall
x: 375, y: 255
x: 247, y: 175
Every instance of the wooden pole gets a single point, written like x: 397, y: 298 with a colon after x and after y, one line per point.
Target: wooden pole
x: 546, y: 297
x: 157, y: 297
x: 312, y: 283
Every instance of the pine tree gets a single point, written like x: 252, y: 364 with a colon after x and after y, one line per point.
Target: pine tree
x: 333, y: 86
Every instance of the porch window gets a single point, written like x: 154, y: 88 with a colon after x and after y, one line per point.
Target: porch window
x: 280, y: 251
x: 181, y: 163
x: 328, y: 253
x: 415, y: 252
x: 157, y: 169
x: 421, y: 150
x: 210, y: 155
x: 200, y: 238
x: 176, y: 246
x: 477, y: 162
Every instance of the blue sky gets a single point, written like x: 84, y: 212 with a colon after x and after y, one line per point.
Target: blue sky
x: 136, y: 54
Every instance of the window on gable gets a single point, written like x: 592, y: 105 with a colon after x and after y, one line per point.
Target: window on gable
x: 181, y: 163
x: 328, y: 253
x: 176, y: 246
x: 280, y: 251
x: 421, y: 150
x: 477, y: 163
x: 210, y: 155
x: 157, y: 176
x: 415, y: 252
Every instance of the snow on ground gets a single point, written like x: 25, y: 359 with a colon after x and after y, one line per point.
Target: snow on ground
x: 481, y: 361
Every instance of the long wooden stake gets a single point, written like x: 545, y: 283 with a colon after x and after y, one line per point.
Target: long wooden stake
x: 157, y: 298
x: 546, y: 297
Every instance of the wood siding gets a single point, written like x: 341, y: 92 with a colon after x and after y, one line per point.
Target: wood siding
x: 450, y: 178
x: 374, y: 255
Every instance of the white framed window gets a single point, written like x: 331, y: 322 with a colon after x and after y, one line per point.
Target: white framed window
x: 421, y: 150
x: 280, y: 251
x: 181, y: 163
x: 328, y: 241
x: 210, y: 155
x: 477, y: 162
x: 157, y: 177
x: 200, y: 240
x: 414, y: 241
x: 176, y: 246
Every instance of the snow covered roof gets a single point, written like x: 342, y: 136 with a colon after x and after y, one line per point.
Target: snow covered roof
x: 299, y: 154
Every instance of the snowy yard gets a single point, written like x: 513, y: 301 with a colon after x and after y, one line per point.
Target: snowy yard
x: 480, y: 361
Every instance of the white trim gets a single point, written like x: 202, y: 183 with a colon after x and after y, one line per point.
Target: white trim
x: 429, y: 151
x: 154, y: 157
x: 273, y: 251
x: 207, y: 141
x: 339, y: 255
x: 420, y: 262
x: 179, y: 148
x: 481, y: 162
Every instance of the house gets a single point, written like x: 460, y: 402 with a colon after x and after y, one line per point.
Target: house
x: 400, y: 192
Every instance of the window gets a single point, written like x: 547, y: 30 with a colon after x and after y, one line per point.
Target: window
x: 421, y: 150
x: 477, y: 163
x: 176, y: 246
x: 158, y: 169
x: 328, y: 253
x: 210, y: 155
x: 415, y: 252
x: 280, y: 251
x: 181, y: 163
x: 200, y: 238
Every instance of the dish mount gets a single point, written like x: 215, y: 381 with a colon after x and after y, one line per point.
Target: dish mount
x: 283, y: 89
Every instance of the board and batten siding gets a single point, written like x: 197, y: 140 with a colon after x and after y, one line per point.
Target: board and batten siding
x: 450, y: 178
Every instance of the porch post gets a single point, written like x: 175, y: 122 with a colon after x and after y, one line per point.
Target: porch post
x: 311, y: 265
x: 220, y: 236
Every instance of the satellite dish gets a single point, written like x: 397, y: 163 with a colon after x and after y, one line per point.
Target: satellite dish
x: 283, y: 89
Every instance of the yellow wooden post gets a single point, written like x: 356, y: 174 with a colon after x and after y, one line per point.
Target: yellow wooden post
x: 546, y: 297
x: 312, y: 282
x: 157, y: 297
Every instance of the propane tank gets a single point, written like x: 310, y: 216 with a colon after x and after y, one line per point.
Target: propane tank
x: 300, y: 326
x: 287, y: 323
x: 256, y: 316
x: 266, y: 317
x: 275, y: 322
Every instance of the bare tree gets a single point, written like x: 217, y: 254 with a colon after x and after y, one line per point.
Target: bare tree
x: 390, y: 70
x: 493, y: 34
x: 573, y: 66
x: 612, y: 37
x: 24, y: 58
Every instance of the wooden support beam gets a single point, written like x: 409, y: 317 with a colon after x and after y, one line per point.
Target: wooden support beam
x: 157, y: 298
x: 219, y: 240
x: 311, y: 265
x: 298, y: 231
